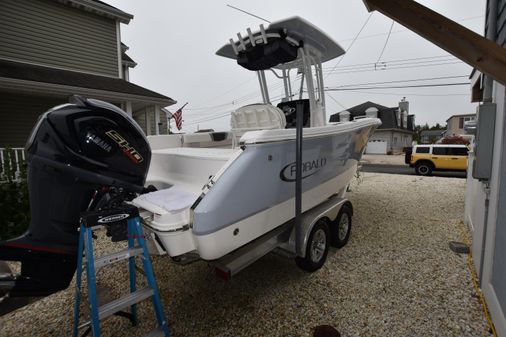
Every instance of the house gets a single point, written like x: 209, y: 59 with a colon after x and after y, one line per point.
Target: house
x: 431, y: 136
x: 485, y: 205
x: 395, y: 132
x: 52, y: 49
x: 455, y: 124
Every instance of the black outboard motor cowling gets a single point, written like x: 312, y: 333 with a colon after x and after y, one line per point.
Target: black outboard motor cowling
x: 74, y: 152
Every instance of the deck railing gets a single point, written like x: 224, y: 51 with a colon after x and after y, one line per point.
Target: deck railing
x: 11, y: 161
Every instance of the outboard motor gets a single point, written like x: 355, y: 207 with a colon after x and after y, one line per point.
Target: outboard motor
x: 86, y: 155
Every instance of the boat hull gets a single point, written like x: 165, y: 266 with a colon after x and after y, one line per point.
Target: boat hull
x: 257, y: 191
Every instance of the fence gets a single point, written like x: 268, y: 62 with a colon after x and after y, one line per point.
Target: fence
x: 11, y: 160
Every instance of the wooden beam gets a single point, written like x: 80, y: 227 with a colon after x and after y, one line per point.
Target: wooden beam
x: 477, y: 51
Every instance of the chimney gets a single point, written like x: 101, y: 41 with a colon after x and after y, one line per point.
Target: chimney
x: 404, y: 111
x: 344, y: 116
x: 371, y: 112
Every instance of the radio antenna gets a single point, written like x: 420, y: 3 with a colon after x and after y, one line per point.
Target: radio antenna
x: 256, y: 16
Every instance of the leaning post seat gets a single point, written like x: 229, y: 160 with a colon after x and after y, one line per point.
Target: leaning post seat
x: 256, y: 117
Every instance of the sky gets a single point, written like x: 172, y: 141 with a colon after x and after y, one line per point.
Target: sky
x: 174, y: 44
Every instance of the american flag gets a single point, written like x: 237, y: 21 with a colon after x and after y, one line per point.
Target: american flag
x: 178, y: 117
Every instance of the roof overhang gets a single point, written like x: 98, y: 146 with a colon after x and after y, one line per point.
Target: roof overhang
x: 460, y: 115
x: 41, y: 88
x: 22, y: 76
x: 477, y: 51
x: 127, y: 60
x: 100, y: 8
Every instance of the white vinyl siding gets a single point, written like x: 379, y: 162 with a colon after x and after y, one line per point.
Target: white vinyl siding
x: 50, y: 33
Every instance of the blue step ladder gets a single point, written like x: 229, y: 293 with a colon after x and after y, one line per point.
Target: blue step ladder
x: 127, y: 216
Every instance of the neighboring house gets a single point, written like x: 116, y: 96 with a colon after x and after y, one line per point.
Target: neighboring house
x: 52, y: 49
x: 431, y: 136
x: 395, y: 132
x: 485, y: 207
x: 455, y: 124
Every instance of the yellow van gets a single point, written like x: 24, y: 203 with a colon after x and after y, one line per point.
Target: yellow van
x: 431, y: 157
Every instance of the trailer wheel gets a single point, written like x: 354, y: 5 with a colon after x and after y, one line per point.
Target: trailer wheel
x: 316, y: 249
x: 341, y: 227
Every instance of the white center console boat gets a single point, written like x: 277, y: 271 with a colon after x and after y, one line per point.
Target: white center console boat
x: 218, y: 192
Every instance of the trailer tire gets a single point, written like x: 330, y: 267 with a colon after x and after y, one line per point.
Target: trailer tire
x: 316, y: 249
x: 341, y: 227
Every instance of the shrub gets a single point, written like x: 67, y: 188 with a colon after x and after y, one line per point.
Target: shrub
x: 14, y: 202
x: 455, y: 140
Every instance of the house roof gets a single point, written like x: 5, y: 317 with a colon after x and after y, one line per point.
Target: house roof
x: 101, y: 8
x: 388, y: 118
x: 127, y: 60
x: 36, y: 73
x: 461, y: 115
x: 361, y: 108
x: 387, y: 115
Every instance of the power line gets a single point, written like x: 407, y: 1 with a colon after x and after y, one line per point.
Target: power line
x: 402, y: 61
x: 335, y: 100
x: 402, y: 87
x: 407, y: 30
x: 386, y: 41
x: 210, y: 118
x: 387, y: 64
x: 221, y: 115
x: 395, y: 68
x: 401, y: 81
x: 346, y: 87
x: 357, y: 68
x: 408, y: 59
x: 404, y: 93
x: 242, y: 99
x: 222, y: 94
x: 352, y: 42
x: 256, y: 16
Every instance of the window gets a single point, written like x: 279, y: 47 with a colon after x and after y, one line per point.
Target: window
x: 457, y: 151
x: 441, y: 151
x: 422, y: 149
x: 462, y: 120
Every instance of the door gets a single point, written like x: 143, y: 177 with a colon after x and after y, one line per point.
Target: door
x: 376, y: 147
x: 440, y: 158
x: 458, y: 157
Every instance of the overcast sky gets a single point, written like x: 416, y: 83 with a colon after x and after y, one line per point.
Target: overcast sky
x: 174, y: 44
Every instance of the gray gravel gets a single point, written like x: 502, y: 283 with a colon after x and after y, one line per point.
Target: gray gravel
x: 396, y: 277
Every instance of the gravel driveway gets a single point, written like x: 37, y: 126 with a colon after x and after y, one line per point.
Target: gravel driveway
x: 396, y: 277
